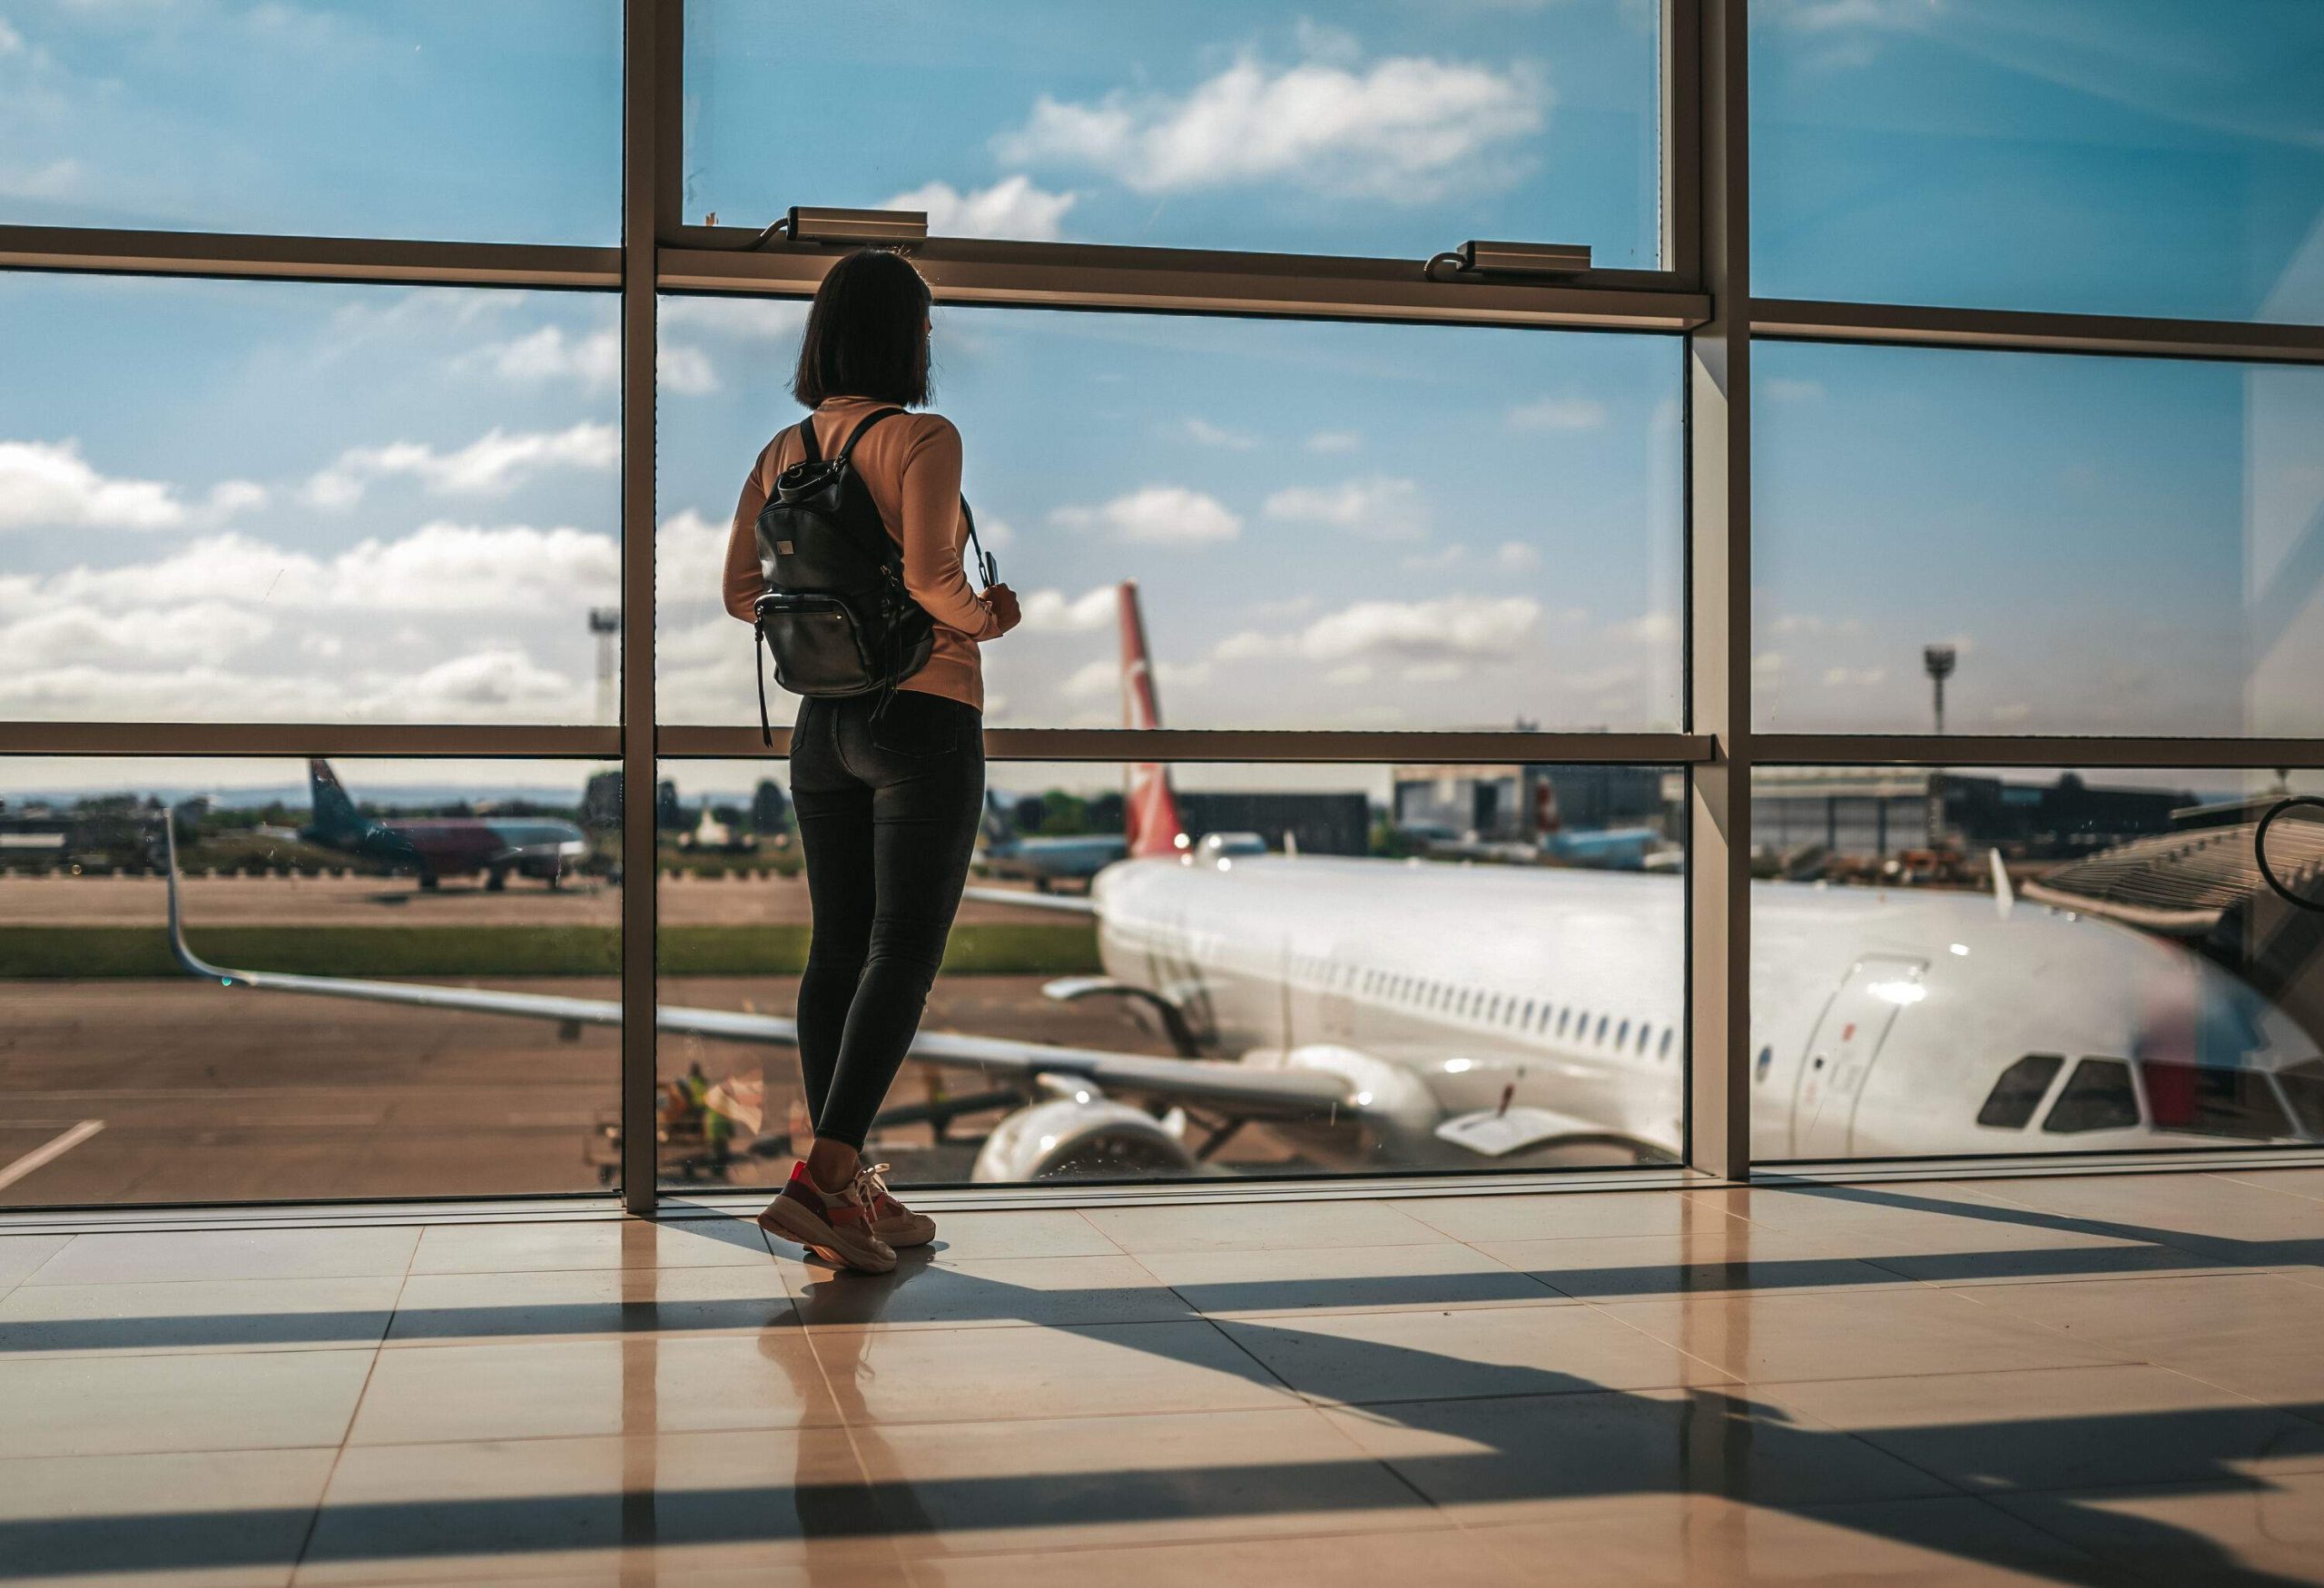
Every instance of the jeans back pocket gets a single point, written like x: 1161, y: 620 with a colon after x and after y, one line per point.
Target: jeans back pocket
x: 916, y: 724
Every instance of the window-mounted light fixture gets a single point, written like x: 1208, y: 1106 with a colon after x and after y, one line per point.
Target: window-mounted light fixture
x: 1520, y: 259
x: 810, y: 223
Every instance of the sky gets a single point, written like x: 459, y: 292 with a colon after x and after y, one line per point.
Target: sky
x: 278, y: 502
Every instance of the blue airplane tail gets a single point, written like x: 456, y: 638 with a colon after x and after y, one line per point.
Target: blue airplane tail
x: 335, y: 817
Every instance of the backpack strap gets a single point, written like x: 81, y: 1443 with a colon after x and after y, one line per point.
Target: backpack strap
x: 874, y: 418
x: 813, y: 454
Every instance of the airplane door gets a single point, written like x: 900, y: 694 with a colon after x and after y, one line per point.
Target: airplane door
x: 1840, y: 1053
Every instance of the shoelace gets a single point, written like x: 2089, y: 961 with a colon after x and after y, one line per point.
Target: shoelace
x: 867, y: 1186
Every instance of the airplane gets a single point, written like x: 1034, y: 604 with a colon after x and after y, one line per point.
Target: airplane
x: 440, y: 846
x: 1400, y: 1015
x: 1045, y: 861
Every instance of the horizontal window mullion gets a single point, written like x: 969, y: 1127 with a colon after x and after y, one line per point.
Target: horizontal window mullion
x: 1911, y: 325
x: 1257, y: 745
x: 2028, y: 750
x: 234, y: 256
x: 466, y: 739
x: 1185, y: 280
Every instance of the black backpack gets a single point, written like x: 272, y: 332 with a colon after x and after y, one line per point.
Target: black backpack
x: 835, y: 614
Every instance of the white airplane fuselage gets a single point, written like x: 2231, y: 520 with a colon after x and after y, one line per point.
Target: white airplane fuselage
x: 1881, y: 1019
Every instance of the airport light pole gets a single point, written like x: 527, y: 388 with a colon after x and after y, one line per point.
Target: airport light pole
x: 1940, y: 661
x: 604, y: 622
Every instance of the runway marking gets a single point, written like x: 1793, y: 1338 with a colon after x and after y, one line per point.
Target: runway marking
x: 55, y: 1149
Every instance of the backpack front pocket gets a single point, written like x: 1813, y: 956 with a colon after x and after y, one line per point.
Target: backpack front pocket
x: 819, y: 649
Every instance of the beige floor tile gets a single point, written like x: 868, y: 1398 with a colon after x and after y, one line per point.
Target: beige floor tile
x: 1561, y: 1215
x: 2246, y: 1225
x: 946, y: 1376
x: 2264, y: 1533
x: 560, y: 1303
x: 123, y: 1405
x: 1080, y: 1482
x: 969, y: 1293
x: 1890, y: 1203
x: 1280, y: 1226
x: 1716, y: 1261
x: 2261, y: 1334
x: 2290, y: 1182
x: 1422, y: 1555
x: 1698, y: 1541
x: 195, y: 1314
x: 1344, y: 1278
x: 230, y: 1254
x: 1779, y: 1338
x: 534, y: 1389
x: 21, y: 1254
x: 603, y: 1510
x: 219, y: 1519
x: 2065, y: 1428
x: 1521, y: 1458
x: 1361, y: 1358
x: 612, y: 1243
x: 1030, y: 1232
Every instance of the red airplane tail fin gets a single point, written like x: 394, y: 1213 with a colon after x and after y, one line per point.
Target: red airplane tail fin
x: 1149, y: 806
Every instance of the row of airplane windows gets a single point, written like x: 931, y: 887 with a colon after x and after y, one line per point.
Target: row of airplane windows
x: 1540, y: 1015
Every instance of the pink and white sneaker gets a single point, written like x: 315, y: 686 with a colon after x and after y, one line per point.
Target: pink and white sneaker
x: 891, y: 1221
x: 836, y: 1227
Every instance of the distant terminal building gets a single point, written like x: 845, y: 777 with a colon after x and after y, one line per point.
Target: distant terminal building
x: 1512, y: 805
x: 1873, y: 812
x: 1319, y: 824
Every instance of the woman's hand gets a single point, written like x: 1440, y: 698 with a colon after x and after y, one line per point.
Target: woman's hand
x: 1003, y: 602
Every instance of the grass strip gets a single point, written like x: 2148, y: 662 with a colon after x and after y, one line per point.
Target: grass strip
x: 80, y: 953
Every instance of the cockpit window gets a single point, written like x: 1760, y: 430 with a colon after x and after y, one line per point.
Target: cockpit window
x: 2098, y: 1097
x: 2211, y: 1101
x: 2019, y: 1091
x: 2304, y: 1085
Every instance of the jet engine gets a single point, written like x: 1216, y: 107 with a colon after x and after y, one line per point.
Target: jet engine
x: 1082, y: 1136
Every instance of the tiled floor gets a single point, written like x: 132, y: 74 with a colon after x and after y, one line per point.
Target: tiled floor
x: 2088, y: 1380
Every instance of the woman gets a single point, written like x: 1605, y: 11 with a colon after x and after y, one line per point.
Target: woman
x: 887, y: 804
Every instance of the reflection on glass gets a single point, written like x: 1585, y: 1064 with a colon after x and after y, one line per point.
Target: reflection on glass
x: 396, y: 118
x: 393, y: 979
x: 2105, y: 546
x: 2021, y: 960
x: 271, y: 502
x: 1380, y: 129
x: 1330, y: 525
x: 1285, y: 970
x: 2093, y: 156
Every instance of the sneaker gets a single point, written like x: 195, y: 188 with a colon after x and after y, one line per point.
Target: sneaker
x: 891, y: 1221
x: 837, y: 1230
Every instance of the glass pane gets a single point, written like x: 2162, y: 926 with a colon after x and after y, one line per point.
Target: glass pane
x: 2087, y: 157
x: 2105, y: 546
x: 1331, y: 526
x: 268, y: 502
x: 2139, y: 987
x: 1388, y: 129
x: 435, y: 886
x: 396, y: 118
x: 1307, y: 987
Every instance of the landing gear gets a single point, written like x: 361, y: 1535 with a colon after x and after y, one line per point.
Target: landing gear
x: 429, y: 881
x: 496, y: 880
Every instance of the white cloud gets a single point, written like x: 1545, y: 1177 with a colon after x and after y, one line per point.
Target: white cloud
x: 1406, y: 129
x: 1515, y: 556
x: 1650, y: 628
x: 492, y: 465
x: 997, y: 534
x: 1559, y: 413
x: 1163, y: 514
x: 1095, y: 680
x: 49, y: 485
x: 1210, y: 435
x: 1449, y: 628
x: 1333, y: 441
x: 1438, y: 561
x: 1012, y: 207
x: 1854, y: 677
x: 1382, y: 506
x: 459, y: 567
x: 754, y: 318
x: 550, y: 354
x: 1049, y: 612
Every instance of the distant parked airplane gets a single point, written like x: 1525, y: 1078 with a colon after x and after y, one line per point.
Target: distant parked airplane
x: 437, y: 847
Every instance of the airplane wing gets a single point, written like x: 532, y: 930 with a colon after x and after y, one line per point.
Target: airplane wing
x: 1227, y: 1088
x: 1066, y: 903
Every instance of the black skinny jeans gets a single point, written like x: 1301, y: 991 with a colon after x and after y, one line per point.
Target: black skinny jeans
x: 888, y: 812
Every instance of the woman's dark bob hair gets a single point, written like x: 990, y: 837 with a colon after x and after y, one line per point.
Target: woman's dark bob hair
x: 867, y: 335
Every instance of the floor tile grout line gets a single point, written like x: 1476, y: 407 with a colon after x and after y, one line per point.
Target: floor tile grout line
x: 331, y: 1471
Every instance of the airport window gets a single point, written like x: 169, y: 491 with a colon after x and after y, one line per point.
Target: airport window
x: 2058, y: 150
x: 399, y: 118
x: 1414, y: 129
x: 2019, y: 1091
x: 2304, y: 1088
x: 2213, y: 1100
x: 2098, y: 1096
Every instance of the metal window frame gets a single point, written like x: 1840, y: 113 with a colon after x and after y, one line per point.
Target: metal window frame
x: 1701, y: 295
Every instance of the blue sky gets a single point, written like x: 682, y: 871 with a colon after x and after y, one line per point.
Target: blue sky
x: 291, y: 501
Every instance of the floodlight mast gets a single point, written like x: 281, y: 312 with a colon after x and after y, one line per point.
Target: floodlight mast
x: 1940, y: 661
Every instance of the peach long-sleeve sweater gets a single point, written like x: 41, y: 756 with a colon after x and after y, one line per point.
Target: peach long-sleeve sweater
x: 910, y: 464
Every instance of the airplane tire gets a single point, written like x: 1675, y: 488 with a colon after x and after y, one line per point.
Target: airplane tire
x: 428, y: 881
x: 496, y: 881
